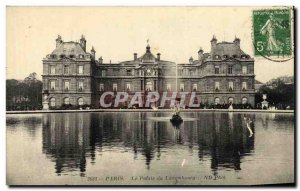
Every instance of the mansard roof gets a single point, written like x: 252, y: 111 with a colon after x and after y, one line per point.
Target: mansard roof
x: 227, y: 48
x: 69, y: 48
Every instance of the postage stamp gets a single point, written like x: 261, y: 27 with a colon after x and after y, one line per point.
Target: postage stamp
x: 272, y: 33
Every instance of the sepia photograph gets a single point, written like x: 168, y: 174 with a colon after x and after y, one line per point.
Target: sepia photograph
x: 150, y: 95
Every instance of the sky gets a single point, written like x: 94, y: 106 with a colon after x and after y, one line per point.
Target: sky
x: 117, y: 32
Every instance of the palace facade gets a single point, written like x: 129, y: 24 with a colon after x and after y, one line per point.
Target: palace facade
x: 72, y: 75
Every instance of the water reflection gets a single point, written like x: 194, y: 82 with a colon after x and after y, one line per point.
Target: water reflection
x: 69, y: 139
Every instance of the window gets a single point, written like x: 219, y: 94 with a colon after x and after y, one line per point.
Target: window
x: 148, y: 86
x: 101, y: 87
x: 80, y: 101
x: 244, y: 69
x: 230, y: 100
x: 66, y: 85
x: 168, y: 87
x: 52, y: 69
x: 217, y: 85
x: 52, y: 102
x: 195, y: 87
x: 103, y: 73
x: 67, y: 101
x: 80, y: 85
x: 81, y: 56
x: 217, y: 100
x: 244, y: 85
x: 217, y: 69
x: 128, y: 87
x: 182, y: 87
x: 80, y: 69
x: 230, y: 86
x: 52, y: 85
x: 129, y: 73
x: 229, y: 70
x: 115, y: 87
x: 244, y: 100
x: 66, y: 69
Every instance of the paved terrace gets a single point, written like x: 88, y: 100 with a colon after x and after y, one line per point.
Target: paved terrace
x: 150, y: 110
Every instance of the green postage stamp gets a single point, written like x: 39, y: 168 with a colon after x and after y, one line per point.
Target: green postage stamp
x: 272, y: 33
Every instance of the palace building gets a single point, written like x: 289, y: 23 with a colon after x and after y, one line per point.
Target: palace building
x: 71, y: 75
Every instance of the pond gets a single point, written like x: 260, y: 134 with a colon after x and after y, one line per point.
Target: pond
x: 144, y: 148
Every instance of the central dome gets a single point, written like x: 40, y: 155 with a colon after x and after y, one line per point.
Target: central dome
x: 148, y: 56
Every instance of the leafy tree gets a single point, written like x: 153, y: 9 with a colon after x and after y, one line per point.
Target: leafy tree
x: 24, y: 94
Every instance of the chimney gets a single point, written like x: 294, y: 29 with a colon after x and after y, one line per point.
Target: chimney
x: 200, y: 54
x: 213, y: 43
x: 237, y: 41
x: 158, y: 56
x: 101, y: 60
x: 135, y: 56
x: 93, y: 53
x: 83, y: 43
x: 58, y: 41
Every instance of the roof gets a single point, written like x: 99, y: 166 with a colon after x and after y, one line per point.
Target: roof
x: 258, y: 82
x: 227, y: 48
x: 148, y: 56
x: 69, y: 48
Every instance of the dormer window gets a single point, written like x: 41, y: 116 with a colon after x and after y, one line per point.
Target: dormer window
x: 234, y: 56
x: 243, y: 56
x: 225, y: 56
x: 53, y: 56
x: 72, y: 56
x: 81, y: 56
x: 62, y: 56
x: 217, y: 56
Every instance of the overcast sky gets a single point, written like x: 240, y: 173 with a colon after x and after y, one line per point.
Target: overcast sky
x: 117, y: 32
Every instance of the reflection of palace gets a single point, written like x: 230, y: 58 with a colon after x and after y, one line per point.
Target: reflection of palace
x: 65, y: 140
x: 72, y: 75
x: 69, y: 138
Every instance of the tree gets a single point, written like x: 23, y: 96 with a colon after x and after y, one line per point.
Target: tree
x: 23, y: 94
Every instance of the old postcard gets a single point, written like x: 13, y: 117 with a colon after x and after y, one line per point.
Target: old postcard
x: 150, y: 96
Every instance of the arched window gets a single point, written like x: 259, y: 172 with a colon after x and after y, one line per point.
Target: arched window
x: 67, y: 101
x: 80, y: 101
x: 230, y: 100
x: 52, y: 102
x: 217, y: 100
x: 244, y: 100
